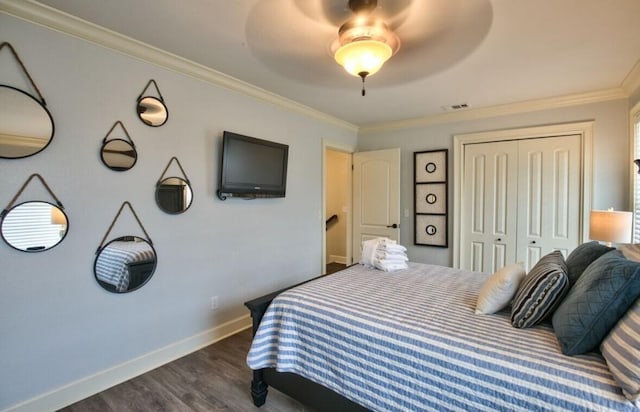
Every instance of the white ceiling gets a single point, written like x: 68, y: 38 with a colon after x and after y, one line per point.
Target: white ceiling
x: 480, y: 52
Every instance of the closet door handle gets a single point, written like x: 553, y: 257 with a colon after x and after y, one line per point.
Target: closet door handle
x: 533, y: 242
x: 394, y: 226
x: 499, y: 239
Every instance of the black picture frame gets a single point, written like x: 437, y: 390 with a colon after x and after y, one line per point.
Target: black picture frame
x: 430, y: 198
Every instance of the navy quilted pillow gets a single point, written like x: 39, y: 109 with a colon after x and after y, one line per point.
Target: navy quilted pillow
x: 600, y: 297
x: 541, y: 291
x: 582, y: 256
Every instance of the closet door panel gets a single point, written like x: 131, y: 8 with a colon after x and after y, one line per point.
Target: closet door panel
x: 548, y: 196
x: 489, y: 220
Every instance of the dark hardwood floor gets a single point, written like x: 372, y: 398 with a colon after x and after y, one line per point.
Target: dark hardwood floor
x: 334, y: 267
x: 215, y: 378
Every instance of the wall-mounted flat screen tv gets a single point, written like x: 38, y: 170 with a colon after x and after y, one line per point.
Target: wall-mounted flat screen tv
x: 252, y: 167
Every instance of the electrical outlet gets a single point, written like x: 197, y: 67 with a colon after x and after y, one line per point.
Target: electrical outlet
x: 214, y: 302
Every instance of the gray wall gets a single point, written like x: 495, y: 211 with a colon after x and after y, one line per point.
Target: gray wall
x: 610, y: 164
x: 57, y: 325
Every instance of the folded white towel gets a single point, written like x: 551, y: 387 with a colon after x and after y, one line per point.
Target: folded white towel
x: 401, y: 256
x: 384, y: 254
x: 368, y: 251
x: 386, y: 241
x: 389, y: 247
x: 390, y: 252
x: 390, y: 266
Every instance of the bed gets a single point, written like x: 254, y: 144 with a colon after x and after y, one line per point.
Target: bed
x: 364, y: 339
x: 124, y: 265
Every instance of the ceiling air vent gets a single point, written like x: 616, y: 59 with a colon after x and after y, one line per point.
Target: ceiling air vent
x: 453, y: 107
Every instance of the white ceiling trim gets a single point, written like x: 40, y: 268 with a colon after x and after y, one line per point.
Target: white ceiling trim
x: 49, y: 17
x: 499, y: 110
x: 631, y: 83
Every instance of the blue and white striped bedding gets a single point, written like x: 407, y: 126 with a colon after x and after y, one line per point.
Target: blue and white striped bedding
x: 112, y: 264
x: 410, y: 340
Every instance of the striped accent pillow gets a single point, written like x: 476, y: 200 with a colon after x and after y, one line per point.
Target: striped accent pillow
x: 541, y: 291
x: 621, y: 349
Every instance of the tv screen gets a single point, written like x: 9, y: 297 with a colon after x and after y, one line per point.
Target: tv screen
x: 252, y: 167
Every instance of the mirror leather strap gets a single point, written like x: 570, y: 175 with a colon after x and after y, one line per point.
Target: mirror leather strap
x: 125, y: 203
x: 24, y: 69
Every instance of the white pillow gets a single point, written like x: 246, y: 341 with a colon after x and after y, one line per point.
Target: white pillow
x: 498, y: 290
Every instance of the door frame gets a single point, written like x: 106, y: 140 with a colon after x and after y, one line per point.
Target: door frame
x: 329, y: 145
x: 584, y: 129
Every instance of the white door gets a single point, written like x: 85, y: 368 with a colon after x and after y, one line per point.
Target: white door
x: 548, y: 197
x: 376, y: 196
x: 488, y: 218
x: 521, y: 200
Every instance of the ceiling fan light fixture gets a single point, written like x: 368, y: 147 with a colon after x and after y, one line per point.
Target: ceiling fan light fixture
x: 363, y: 56
x: 364, y: 42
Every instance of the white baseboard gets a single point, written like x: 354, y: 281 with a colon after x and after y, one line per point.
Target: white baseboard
x: 338, y: 259
x: 85, y: 387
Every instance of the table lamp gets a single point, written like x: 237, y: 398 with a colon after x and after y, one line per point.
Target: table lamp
x: 610, y: 226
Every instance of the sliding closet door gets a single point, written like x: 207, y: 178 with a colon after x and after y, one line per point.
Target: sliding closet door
x: 489, y: 206
x: 548, y: 196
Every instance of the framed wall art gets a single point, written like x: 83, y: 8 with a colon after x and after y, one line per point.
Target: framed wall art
x: 430, y: 198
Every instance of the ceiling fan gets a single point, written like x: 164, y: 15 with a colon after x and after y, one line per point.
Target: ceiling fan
x: 435, y: 35
x: 365, y: 41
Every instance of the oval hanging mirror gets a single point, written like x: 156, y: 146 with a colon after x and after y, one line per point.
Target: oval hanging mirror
x: 34, y: 226
x: 152, y: 110
x: 118, y: 154
x: 173, y: 194
x: 125, y: 264
x: 26, y: 127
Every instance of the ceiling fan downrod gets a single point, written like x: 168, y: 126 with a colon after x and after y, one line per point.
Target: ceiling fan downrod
x: 357, y: 6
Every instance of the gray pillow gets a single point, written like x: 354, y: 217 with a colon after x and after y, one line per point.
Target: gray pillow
x: 600, y: 297
x: 541, y: 291
x: 582, y: 256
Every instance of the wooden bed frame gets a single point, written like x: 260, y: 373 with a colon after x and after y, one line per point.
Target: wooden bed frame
x: 303, y: 390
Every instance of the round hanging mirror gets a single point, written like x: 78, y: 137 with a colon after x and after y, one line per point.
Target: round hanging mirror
x: 152, y: 111
x: 125, y: 264
x: 34, y: 226
x: 26, y: 126
x: 173, y: 195
x: 118, y: 154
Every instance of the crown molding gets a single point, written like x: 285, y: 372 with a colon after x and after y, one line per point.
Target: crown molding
x: 499, y: 110
x: 54, y: 19
x: 631, y: 83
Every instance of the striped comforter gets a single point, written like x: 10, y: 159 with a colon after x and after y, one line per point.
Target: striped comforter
x: 112, y: 264
x: 409, y: 341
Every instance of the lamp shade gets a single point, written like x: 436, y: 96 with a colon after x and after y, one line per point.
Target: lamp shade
x: 610, y: 226
x: 363, y: 56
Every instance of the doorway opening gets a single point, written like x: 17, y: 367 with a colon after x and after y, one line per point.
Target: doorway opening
x: 337, y: 210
